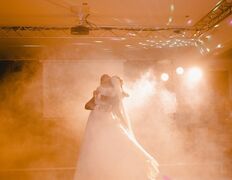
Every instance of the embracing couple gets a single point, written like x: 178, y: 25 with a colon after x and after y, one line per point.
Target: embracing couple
x: 109, y: 149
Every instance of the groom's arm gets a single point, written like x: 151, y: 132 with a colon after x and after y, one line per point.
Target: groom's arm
x: 90, y: 105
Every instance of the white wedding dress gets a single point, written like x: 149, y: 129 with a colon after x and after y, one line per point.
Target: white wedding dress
x: 109, y: 151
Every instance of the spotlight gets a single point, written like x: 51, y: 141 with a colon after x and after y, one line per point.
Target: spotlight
x: 194, y: 74
x: 219, y: 46
x: 164, y: 77
x: 179, y: 70
x: 189, y: 22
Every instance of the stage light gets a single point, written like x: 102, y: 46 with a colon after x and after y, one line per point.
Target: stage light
x: 170, y: 19
x: 189, y: 22
x: 194, y: 74
x: 219, y: 46
x: 80, y: 30
x: 179, y: 70
x: 132, y: 34
x: 118, y: 38
x: 98, y: 41
x: 128, y: 45
x: 172, y: 7
x: 208, y: 37
x: 164, y: 77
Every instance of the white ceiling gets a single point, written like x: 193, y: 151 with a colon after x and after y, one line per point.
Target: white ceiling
x: 104, y: 12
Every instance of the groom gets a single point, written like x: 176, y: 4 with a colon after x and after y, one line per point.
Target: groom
x: 105, y: 81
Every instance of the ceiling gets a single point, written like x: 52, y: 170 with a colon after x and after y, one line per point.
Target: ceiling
x: 104, y: 12
x: 128, y: 13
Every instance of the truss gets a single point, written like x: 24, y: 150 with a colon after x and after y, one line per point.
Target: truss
x: 97, y: 31
x: 222, y: 10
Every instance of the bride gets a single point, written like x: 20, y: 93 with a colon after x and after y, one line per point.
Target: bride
x: 109, y: 150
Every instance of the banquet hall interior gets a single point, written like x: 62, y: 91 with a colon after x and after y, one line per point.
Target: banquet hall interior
x: 174, y: 56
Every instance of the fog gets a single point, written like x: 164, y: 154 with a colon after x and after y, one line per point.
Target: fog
x: 43, y: 119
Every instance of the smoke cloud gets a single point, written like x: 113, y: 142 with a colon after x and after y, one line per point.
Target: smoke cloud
x: 43, y: 120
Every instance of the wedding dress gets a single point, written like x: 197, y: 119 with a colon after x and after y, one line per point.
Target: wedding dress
x: 109, y: 150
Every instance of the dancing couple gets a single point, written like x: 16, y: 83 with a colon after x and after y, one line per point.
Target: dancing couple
x: 109, y: 149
